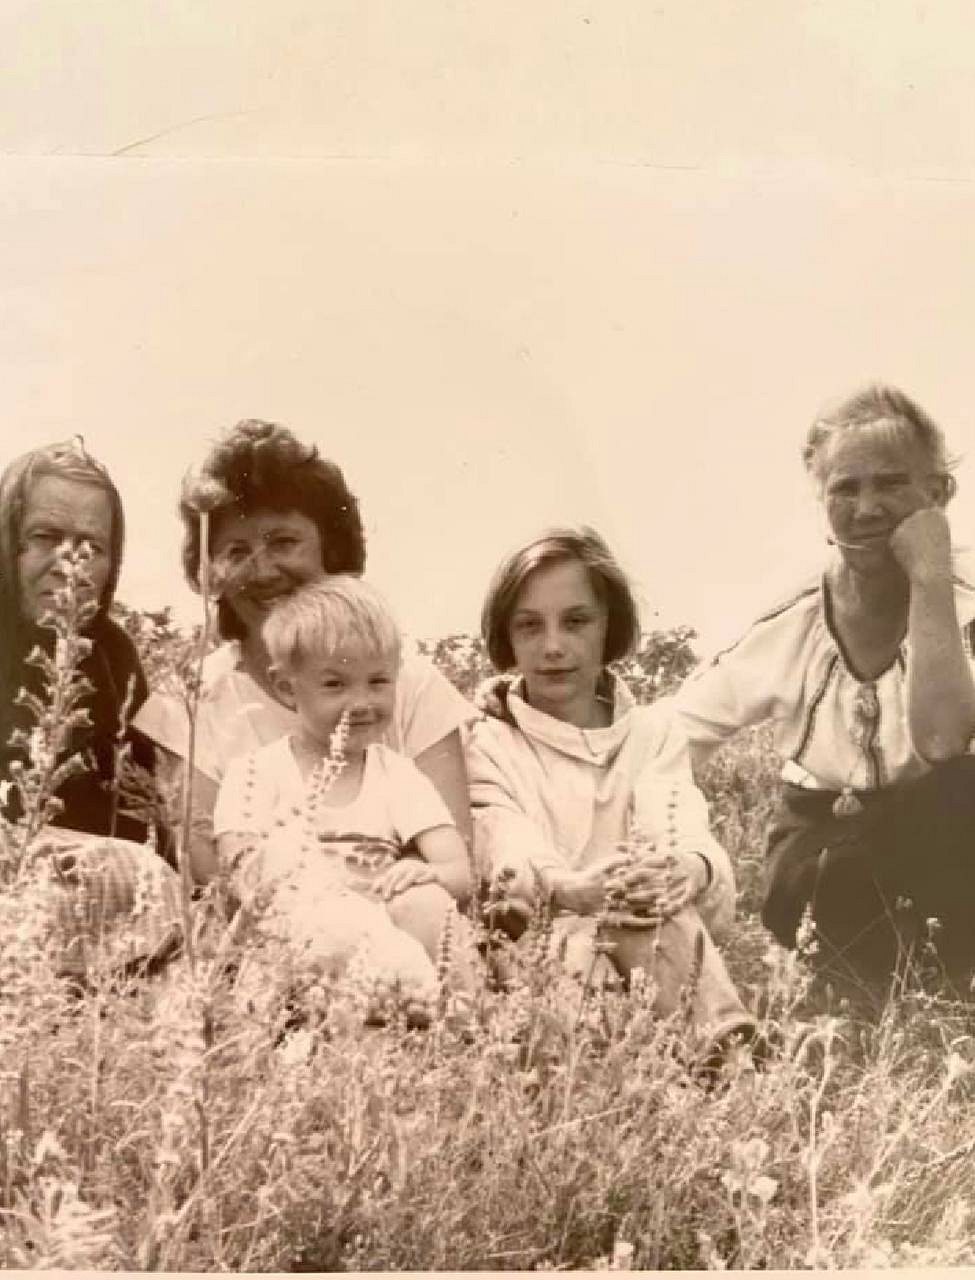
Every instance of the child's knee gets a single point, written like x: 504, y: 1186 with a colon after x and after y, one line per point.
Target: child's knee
x: 431, y: 900
x: 423, y: 912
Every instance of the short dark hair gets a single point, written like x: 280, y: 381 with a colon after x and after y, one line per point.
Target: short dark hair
x: 555, y: 546
x: 262, y: 466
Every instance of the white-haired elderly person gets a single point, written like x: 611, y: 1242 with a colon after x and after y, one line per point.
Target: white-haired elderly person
x: 586, y: 800
x: 866, y: 676
x: 58, y: 501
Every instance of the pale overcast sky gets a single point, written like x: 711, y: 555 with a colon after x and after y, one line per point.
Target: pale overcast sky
x: 508, y: 263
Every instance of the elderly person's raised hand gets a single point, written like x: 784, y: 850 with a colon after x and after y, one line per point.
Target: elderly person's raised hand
x: 921, y: 545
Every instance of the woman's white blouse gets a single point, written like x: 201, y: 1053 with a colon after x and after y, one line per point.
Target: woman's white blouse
x: 236, y: 716
x: 831, y: 728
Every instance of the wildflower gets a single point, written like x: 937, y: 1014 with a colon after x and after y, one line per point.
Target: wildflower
x: 955, y: 1067
x: 763, y: 1188
x: 713, y: 1260
x: 806, y: 942
x: 204, y: 492
x: 622, y: 1259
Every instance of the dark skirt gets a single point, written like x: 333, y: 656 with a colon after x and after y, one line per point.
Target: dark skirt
x: 873, y: 881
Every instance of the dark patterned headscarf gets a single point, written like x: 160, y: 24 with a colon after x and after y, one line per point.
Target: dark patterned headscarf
x: 70, y: 461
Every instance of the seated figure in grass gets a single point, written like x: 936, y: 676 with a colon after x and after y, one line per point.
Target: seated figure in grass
x: 351, y: 844
x: 263, y: 515
x: 584, y: 799
x: 867, y: 677
x: 61, y: 536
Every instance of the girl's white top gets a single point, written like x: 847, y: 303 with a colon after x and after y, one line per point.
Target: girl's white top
x: 546, y: 795
x: 236, y: 716
x: 831, y: 728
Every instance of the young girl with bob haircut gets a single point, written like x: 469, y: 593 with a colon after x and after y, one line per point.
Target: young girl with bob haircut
x: 578, y: 793
x: 356, y: 846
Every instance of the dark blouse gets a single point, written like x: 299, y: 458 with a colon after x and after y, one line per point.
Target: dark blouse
x: 87, y: 797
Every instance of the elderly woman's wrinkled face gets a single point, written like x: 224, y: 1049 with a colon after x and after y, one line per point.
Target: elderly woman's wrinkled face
x: 261, y: 558
x: 59, y: 510
x: 872, y: 477
x: 558, y: 636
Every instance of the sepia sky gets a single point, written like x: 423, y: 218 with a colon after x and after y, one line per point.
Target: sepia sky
x: 509, y: 263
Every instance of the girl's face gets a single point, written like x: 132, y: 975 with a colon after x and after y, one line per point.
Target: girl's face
x: 264, y: 557
x: 60, y: 510
x: 872, y: 479
x: 557, y: 632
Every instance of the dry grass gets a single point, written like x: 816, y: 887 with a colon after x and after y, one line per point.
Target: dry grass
x: 236, y: 1117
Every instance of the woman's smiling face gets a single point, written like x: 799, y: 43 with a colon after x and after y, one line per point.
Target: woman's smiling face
x: 264, y: 557
x: 557, y: 631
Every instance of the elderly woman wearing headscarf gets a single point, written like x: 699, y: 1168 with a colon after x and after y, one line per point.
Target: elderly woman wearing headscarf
x: 57, y: 502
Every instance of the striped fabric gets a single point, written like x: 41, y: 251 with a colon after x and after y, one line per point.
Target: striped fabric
x: 116, y: 904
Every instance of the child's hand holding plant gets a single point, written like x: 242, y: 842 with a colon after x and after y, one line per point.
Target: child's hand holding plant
x: 655, y: 886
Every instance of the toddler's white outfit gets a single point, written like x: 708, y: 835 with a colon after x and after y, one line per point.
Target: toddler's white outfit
x: 320, y: 860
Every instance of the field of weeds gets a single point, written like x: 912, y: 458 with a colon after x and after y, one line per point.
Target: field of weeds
x: 224, y: 1114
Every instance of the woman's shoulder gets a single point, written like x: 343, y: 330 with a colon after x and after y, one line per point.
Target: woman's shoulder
x: 790, y: 616
x: 495, y: 726
x: 495, y: 736
x: 220, y: 664
x: 119, y: 653
x: 116, y: 643
x: 418, y: 673
x: 655, y: 727
x: 386, y: 762
x: 428, y: 707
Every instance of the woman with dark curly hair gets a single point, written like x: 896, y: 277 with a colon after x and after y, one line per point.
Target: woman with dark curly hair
x: 281, y: 516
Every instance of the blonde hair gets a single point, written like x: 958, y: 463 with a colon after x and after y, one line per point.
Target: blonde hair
x: 335, y: 613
